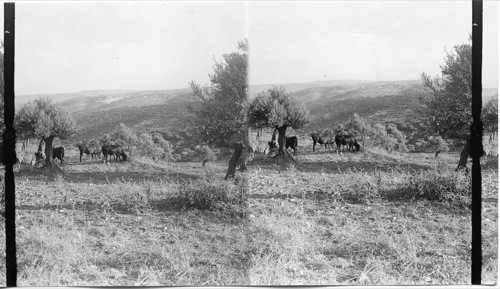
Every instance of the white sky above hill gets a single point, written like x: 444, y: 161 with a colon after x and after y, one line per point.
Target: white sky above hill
x: 74, y: 46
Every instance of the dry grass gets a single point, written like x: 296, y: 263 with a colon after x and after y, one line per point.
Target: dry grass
x: 327, y: 219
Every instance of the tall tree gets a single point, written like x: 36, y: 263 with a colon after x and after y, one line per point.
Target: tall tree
x: 276, y: 108
x: 447, y: 110
x: 221, y: 110
x: 42, y: 119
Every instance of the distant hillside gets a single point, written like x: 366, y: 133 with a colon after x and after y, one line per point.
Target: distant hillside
x: 59, y: 97
x: 329, y: 102
x: 161, y: 117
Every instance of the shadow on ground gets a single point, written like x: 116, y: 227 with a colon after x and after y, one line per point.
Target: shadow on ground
x: 338, y: 167
x: 134, y: 176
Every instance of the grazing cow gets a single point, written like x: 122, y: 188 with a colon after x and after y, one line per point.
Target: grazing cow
x: 329, y: 143
x: 345, y: 139
x: 113, y: 150
x: 58, y: 153
x: 93, y: 151
x: 292, y: 142
x: 317, y: 139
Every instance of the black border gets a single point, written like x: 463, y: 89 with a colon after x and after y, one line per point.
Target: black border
x: 9, y: 145
x: 476, y: 140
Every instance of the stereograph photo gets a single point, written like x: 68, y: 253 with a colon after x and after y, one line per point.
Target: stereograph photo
x: 250, y: 143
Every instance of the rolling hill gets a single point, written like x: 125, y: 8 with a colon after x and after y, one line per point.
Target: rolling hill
x: 330, y: 102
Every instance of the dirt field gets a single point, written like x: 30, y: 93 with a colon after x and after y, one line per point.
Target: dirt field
x: 362, y: 218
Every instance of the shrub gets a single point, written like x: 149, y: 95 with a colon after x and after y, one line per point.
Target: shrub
x: 221, y: 196
x: 451, y: 187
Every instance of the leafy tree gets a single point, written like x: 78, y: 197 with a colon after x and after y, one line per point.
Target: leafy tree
x: 165, y: 145
x: 107, y: 139
x: 437, y: 144
x: 276, y: 108
x: 124, y: 136
x: 447, y: 110
x: 398, y: 136
x: 42, y: 119
x: 221, y: 110
x: 358, y: 126
x: 490, y: 116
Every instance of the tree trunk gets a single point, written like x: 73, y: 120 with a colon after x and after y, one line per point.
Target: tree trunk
x: 238, y: 149
x: 40, y: 146
x: 464, y: 155
x: 273, y: 138
x: 281, y: 140
x: 48, y: 150
x: 245, y: 150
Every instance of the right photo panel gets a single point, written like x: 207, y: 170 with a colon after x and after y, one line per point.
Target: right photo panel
x: 361, y: 112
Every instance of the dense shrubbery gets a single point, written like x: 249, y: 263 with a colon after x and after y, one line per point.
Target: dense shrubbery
x: 431, y: 144
x: 172, y: 146
x: 391, y: 136
x: 386, y: 136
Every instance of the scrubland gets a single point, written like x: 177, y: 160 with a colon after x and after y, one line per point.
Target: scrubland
x: 364, y: 218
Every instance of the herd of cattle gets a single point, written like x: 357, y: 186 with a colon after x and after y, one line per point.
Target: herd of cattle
x: 58, y: 153
x: 107, y: 150
x: 341, y: 140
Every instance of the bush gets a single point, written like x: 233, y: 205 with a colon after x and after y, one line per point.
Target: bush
x: 221, y: 196
x: 451, y: 187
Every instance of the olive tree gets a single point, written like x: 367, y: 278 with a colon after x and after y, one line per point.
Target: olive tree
x: 44, y: 120
x: 447, y: 110
x: 221, y: 108
x: 276, y: 108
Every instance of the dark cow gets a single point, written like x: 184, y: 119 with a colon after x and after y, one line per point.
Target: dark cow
x: 292, y: 142
x: 345, y: 139
x: 58, y: 153
x: 93, y: 151
x: 113, y: 150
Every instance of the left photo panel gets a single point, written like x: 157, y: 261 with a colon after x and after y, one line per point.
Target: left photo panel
x: 127, y: 115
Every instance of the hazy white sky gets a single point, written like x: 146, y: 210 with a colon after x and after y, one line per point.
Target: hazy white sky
x: 66, y: 47
x: 372, y: 40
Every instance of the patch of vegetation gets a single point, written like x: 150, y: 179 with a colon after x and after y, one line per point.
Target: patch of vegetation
x: 215, y: 195
x: 451, y: 187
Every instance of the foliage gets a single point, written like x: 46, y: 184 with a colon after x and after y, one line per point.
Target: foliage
x: 447, y: 111
x: 221, y: 196
x: 124, y: 136
x: 221, y: 109
x: 387, y: 136
x: 276, y: 108
x: 438, y: 144
x: 439, y: 186
x: 42, y: 118
x: 490, y: 115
